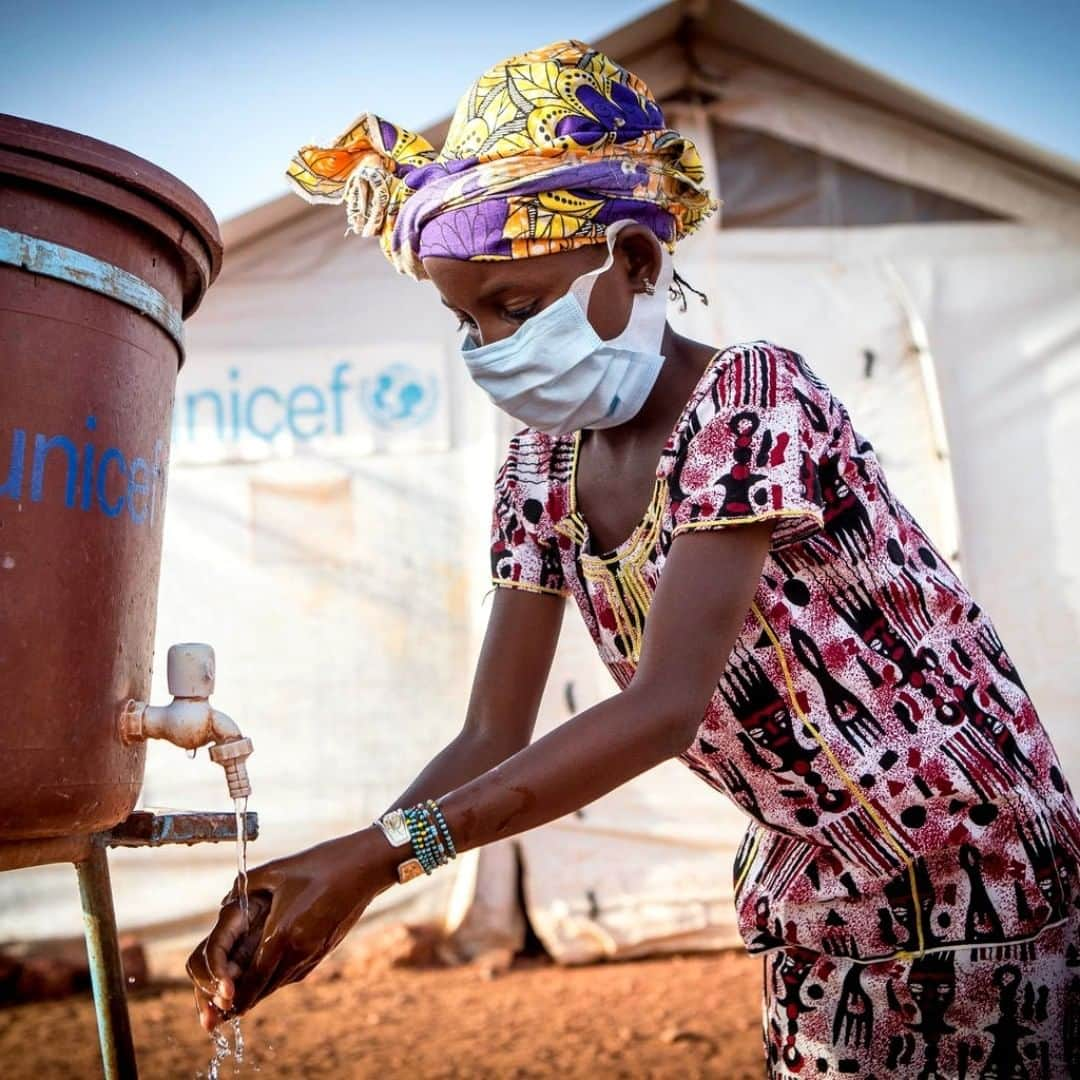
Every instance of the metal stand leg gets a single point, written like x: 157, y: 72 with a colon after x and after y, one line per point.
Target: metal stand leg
x: 106, y: 973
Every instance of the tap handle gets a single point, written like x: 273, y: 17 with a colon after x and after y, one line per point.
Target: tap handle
x: 191, y: 670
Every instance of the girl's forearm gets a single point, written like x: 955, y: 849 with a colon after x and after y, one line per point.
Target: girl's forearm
x: 464, y: 758
x: 710, y: 580
x: 575, y: 764
x: 586, y: 757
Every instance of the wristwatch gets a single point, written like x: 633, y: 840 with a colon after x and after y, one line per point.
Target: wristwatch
x: 394, y: 827
x: 396, y: 830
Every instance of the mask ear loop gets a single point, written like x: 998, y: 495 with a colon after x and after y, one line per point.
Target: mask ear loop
x: 582, y: 286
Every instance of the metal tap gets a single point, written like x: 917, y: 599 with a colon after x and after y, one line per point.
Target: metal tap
x: 189, y: 721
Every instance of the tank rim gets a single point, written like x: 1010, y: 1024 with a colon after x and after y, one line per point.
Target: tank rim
x: 125, y: 170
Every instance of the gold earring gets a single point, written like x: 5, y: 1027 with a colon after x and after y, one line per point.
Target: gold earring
x: 649, y: 287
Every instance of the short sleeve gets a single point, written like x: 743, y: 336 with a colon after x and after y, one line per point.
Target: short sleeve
x: 748, y: 449
x: 525, y: 551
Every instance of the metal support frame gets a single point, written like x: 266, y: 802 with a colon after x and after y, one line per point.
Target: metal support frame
x: 99, y: 917
x: 106, y: 971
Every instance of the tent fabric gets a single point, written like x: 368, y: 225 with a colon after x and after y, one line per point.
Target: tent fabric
x: 330, y: 495
x: 767, y: 182
x: 850, y: 130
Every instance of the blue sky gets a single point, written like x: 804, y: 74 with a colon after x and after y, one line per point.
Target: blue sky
x: 221, y: 94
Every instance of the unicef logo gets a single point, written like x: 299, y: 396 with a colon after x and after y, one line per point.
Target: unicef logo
x: 399, y: 396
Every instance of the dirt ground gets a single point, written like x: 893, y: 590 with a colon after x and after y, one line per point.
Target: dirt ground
x: 693, y: 1016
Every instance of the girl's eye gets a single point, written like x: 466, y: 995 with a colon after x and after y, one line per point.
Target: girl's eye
x: 518, y: 315
x: 521, y: 314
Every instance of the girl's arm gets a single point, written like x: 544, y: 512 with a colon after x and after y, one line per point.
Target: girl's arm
x: 699, y: 608
x: 511, y: 672
x: 696, y: 615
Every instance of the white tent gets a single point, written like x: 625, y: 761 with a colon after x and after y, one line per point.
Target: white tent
x: 331, y: 472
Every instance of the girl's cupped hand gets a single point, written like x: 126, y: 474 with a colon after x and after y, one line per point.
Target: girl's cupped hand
x: 300, y: 908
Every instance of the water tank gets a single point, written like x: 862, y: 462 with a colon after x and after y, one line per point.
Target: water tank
x: 102, y: 255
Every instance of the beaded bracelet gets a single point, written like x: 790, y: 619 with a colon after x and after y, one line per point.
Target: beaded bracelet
x: 431, y: 833
x: 431, y: 848
x: 419, y: 840
x: 442, y: 830
x: 427, y: 831
x: 427, y: 846
x: 441, y: 821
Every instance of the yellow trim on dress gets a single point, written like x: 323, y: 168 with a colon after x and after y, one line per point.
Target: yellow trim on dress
x: 626, y: 567
x: 904, y: 954
x: 572, y: 482
x: 528, y: 586
x: 723, y: 523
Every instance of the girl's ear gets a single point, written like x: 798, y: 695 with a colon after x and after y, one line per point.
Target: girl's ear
x: 641, y: 256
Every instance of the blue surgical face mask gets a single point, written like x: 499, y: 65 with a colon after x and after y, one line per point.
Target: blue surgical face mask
x: 556, y: 374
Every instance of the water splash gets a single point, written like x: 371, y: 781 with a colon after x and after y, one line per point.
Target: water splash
x: 238, y: 1041
x: 222, y: 1050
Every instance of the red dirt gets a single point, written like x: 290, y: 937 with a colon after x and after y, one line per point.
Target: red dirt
x: 679, y: 1017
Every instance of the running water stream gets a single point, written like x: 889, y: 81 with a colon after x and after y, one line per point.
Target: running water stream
x: 241, y: 856
x: 222, y: 1049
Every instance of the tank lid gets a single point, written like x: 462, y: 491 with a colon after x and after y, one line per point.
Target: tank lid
x: 136, y: 174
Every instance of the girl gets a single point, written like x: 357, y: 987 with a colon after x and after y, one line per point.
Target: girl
x: 772, y: 615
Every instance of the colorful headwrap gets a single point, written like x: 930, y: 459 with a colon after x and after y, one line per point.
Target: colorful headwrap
x: 544, y: 151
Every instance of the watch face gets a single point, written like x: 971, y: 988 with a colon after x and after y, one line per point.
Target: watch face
x: 397, y: 829
x: 409, y: 869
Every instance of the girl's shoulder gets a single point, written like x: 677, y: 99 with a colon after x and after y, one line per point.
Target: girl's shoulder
x: 754, y: 373
x: 749, y: 378
x: 745, y: 376
x: 747, y: 445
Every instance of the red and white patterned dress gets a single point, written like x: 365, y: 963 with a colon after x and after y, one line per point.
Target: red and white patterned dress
x: 910, y: 824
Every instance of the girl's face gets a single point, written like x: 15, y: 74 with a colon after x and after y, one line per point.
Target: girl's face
x: 492, y: 299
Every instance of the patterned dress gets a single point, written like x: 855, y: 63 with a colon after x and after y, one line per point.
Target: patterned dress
x: 910, y: 865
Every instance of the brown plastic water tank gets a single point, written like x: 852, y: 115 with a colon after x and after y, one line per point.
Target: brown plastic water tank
x: 102, y: 255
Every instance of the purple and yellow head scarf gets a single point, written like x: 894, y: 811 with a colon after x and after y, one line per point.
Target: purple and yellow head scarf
x: 544, y: 151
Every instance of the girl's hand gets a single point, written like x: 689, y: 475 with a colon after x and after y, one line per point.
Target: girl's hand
x: 300, y: 909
